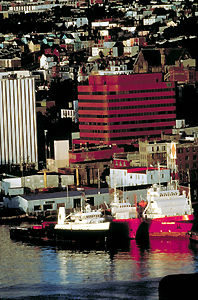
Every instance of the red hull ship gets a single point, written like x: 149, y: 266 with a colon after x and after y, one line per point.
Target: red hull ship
x: 168, y: 213
x: 171, y: 226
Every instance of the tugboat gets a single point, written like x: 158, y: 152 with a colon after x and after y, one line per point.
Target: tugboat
x: 168, y: 212
x: 85, y: 226
x: 32, y: 232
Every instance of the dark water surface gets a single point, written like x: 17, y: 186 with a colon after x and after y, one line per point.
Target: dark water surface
x: 47, y: 272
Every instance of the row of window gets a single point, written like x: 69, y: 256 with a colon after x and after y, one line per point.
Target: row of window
x: 187, y: 166
x: 181, y: 150
x: 127, y: 122
x: 124, y: 130
x: 158, y: 148
x: 149, y: 113
x: 127, y: 107
x: 120, y: 138
x: 127, y: 99
x: 143, y: 136
x: 194, y: 157
x: 124, y: 99
x: 126, y: 92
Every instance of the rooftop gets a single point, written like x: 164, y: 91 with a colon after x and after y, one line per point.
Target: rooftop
x: 63, y: 194
x: 141, y: 169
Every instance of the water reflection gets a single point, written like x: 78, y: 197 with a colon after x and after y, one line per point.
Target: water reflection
x: 80, y: 267
x: 133, y: 267
x: 17, y: 261
x: 161, y: 256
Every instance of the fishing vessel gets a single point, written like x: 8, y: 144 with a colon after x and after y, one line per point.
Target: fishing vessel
x: 169, y: 211
x: 86, y: 225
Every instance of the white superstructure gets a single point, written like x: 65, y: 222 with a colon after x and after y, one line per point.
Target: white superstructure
x: 88, y: 220
x: 122, y: 210
x: 167, y: 201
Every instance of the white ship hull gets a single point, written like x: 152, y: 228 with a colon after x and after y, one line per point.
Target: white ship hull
x: 84, y: 227
x: 84, y: 233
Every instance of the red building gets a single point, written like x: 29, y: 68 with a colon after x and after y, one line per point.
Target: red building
x: 93, y: 154
x: 120, y: 109
x: 187, y: 163
x: 182, y: 75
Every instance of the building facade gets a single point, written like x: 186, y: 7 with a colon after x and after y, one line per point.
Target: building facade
x: 18, y: 132
x: 93, y: 163
x: 152, y: 153
x: 187, y: 161
x: 180, y: 156
x: 120, y: 109
x: 126, y: 177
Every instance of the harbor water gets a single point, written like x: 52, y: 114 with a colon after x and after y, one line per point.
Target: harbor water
x: 33, y: 271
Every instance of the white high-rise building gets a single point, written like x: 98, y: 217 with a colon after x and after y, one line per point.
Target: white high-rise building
x: 18, y: 132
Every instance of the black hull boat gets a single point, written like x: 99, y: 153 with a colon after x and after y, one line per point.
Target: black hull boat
x: 33, y: 232
x: 87, y: 226
x: 80, y: 236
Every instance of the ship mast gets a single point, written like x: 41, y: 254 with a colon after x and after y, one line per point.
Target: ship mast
x: 189, y: 189
x: 123, y: 188
x: 159, y: 173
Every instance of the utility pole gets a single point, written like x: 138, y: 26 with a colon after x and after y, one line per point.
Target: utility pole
x: 45, y: 134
